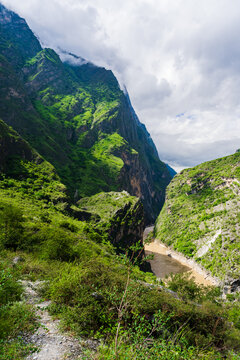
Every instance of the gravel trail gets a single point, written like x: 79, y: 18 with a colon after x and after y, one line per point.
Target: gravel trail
x: 52, y: 344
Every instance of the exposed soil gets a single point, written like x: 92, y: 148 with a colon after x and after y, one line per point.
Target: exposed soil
x: 52, y: 344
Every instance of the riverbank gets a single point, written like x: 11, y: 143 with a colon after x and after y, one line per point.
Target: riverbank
x: 200, y: 275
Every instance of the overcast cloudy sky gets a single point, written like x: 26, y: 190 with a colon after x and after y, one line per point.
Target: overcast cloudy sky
x: 180, y: 61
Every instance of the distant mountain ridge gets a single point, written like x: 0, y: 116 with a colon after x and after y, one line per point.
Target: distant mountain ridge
x: 78, y: 119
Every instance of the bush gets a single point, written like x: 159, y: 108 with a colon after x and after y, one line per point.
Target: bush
x: 10, y: 289
x: 16, y: 318
x: 11, y: 226
x: 67, y: 225
x: 83, y: 293
x: 187, y: 288
x: 57, y: 244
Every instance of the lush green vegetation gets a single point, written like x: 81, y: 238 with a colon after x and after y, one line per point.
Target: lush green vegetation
x: 79, y: 120
x: 88, y: 255
x: 72, y: 108
x: 17, y: 319
x: 95, y: 292
x: 86, y: 295
x: 87, y: 283
x: 202, y: 202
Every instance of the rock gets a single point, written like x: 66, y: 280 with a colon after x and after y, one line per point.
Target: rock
x: 17, y: 260
x: 235, y: 285
x: 121, y: 217
x: 92, y: 344
x: 97, y: 296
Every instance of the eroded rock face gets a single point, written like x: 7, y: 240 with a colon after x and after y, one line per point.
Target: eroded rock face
x: 120, y: 217
x: 127, y: 226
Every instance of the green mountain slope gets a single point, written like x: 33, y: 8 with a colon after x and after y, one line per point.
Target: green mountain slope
x: 71, y: 130
x: 79, y: 271
x: 41, y: 238
x: 23, y: 170
x: 77, y: 118
x: 201, y: 215
x: 26, y: 178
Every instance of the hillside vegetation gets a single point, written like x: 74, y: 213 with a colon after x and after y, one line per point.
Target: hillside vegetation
x: 78, y: 119
x: 201, y: 216
x: 73, y: 157
x: 88, y: 257
x: 98, y: 294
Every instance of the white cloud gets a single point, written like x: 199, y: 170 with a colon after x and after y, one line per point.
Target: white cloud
x: 179, y: 57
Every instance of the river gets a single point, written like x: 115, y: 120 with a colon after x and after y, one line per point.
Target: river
x: 166, y: 261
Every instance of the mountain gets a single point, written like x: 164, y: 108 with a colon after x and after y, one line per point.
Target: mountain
x: 77, y: 118
x: 69, y: 138
x: 171, y: 170
x: 201, y: 216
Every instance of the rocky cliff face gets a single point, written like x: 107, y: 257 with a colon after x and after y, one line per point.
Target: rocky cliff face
x: 201, y: 216
x: 118, y: 216
x: 78, y: 118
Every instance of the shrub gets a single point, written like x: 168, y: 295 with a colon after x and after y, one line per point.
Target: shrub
x: 10, y: 289
x: 187, y: 288
x: 67, y: 225
x: 11, y: 226
x: 16, y: 318
x: 57, y: 244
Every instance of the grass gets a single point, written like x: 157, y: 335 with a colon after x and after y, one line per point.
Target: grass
x: 199, y: 202
x: 17, y: 319
x: 85, y: 281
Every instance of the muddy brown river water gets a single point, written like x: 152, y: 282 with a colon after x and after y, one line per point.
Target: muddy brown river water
x: 163, y: 265
x: 163, y: 262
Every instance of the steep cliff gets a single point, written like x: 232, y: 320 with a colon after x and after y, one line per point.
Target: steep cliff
x: 119, y: 217
x: 78, y: 118
x: 201, y: 216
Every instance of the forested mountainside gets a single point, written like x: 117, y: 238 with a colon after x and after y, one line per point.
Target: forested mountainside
x: 71, y: 249
x: 201, y: 216
x: 78, y: 119
x: 69, y: 254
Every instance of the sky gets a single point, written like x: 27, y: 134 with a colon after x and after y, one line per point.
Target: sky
x: 180, y: 62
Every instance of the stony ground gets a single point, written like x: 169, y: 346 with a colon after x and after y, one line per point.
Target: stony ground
x: 52, y: 344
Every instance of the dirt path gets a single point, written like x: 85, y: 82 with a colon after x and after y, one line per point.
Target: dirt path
x: 200, y: 276
x: 52, y: 344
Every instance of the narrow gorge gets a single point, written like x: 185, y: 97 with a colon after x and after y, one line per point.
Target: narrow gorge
x: 80, y: 180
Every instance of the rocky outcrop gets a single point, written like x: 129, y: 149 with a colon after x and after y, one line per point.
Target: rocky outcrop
x: 143, y: 174
x: 119, y: 217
